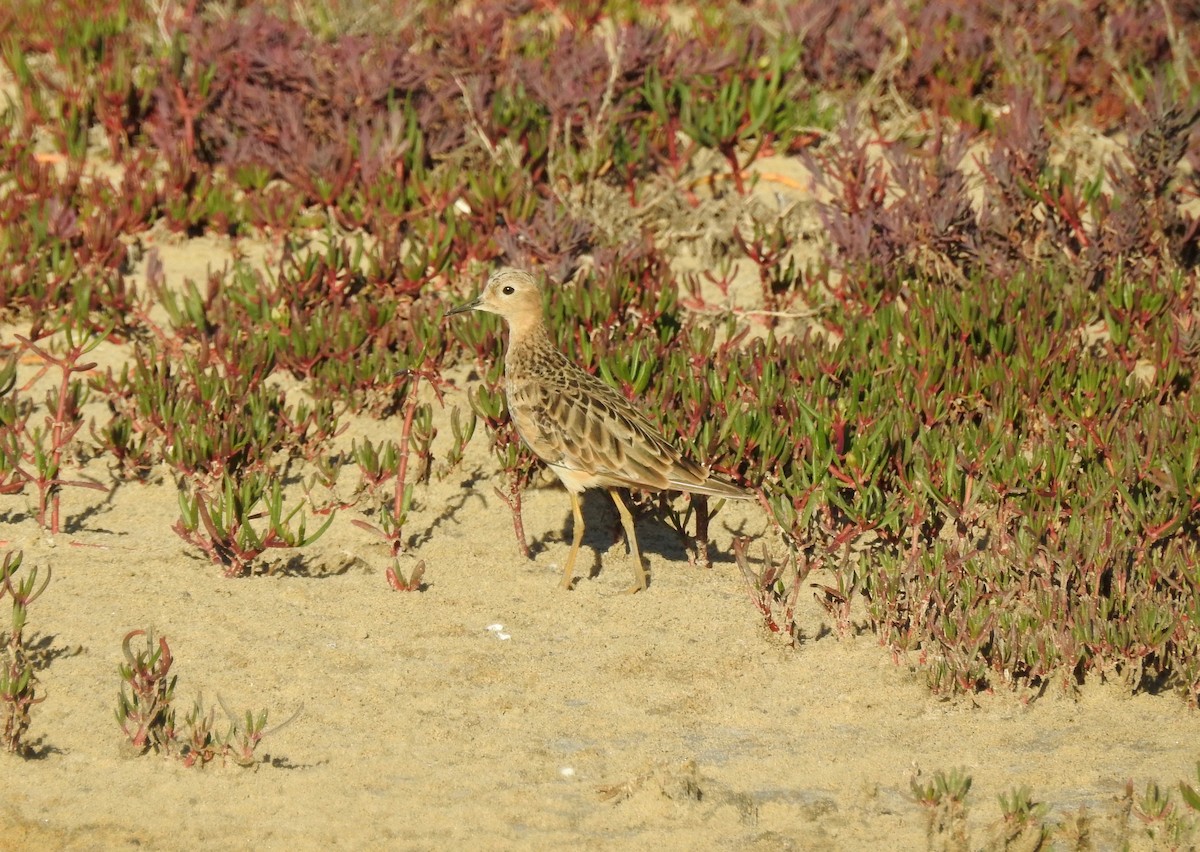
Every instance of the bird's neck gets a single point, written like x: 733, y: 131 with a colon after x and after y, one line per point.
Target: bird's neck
x: 529, y: 347
x: 529, y: 331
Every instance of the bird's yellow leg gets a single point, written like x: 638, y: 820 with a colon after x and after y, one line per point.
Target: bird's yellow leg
x: 569, y: 571
x: 639, y: 573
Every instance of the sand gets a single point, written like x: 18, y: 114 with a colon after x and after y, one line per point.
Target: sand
x: 494, y: 709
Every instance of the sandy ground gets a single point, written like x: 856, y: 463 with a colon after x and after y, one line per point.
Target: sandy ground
x: 496, y: 710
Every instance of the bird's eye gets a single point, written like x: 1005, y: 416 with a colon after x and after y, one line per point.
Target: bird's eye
x: 508, y: 291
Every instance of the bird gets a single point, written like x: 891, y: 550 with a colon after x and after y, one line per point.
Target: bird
x: 585, y: 431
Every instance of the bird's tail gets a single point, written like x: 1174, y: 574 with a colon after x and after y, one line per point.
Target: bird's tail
x: 712, y: 485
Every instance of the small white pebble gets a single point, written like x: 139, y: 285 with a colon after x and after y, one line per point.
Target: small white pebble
x: 498, y: 631
x: 567, y: 772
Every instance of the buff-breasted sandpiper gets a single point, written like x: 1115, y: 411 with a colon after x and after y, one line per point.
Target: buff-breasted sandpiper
x: 588, y: 433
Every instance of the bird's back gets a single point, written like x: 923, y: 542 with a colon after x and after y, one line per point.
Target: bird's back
x: 589, y: 433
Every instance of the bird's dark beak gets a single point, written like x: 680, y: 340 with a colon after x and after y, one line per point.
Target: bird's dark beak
x: 466, y: 307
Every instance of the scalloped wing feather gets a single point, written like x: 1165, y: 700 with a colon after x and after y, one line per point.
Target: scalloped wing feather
x: 573, y: 420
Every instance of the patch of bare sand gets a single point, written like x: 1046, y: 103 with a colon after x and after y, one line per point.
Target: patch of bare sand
x: 603, y: 720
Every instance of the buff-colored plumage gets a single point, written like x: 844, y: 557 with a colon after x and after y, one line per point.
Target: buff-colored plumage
x: 589, y: 435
